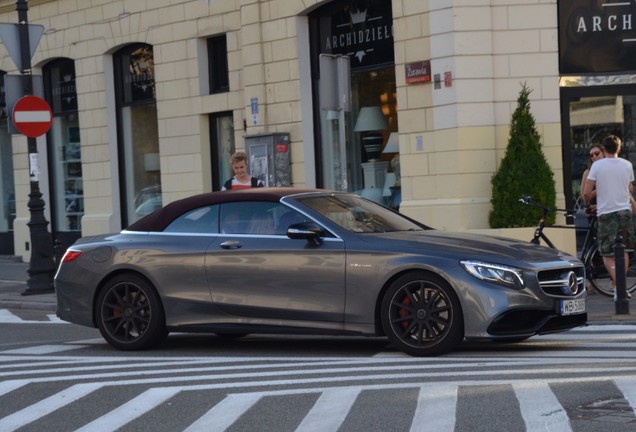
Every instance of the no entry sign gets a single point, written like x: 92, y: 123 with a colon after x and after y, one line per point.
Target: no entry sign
x: 32, y: 116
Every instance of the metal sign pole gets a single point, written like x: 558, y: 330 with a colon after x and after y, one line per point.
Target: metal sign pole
x: 41, y: 265
x: 343, y: 95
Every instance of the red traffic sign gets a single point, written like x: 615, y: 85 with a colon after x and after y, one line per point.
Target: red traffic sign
x: 32, y: 116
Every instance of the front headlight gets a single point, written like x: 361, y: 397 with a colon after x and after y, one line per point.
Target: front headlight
x: 500, y: 274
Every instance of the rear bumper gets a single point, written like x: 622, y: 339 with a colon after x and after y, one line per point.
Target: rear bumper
x: 74, y: 304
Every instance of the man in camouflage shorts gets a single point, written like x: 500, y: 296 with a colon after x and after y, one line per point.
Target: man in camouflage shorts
x: 613, y: 178
x: 609, y: 225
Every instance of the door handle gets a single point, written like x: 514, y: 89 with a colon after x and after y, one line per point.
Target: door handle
x: 231, y: 244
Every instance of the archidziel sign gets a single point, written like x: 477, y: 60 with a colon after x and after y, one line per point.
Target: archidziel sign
x: 597, y: 37
x: 362, y: 30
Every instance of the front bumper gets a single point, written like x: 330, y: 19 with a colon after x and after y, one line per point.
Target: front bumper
x: 529, y: 322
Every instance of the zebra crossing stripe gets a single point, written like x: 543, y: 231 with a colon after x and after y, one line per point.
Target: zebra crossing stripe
x: 225, y: 413
x: 6, y: 317
x: 436, y: 406
x: 540, y: 408
x: 53, y: 319
x: 46, y: 406
x: 9, y: 386
x: 628, y: 387
x: 9, y: 318
x: 43, y: 349
x: 130, y: 410
x: 329, y: 411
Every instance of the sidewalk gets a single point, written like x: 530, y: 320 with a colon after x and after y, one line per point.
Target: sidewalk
x: 13, y: 277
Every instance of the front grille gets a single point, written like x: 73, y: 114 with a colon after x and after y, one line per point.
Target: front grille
x: 559, y: 282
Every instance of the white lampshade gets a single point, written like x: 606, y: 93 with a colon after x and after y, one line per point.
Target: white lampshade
x: 389, y: 180
x: 151, y: 162
x: 370, y: 119
x: 393, y: 144
x: 332, y: 115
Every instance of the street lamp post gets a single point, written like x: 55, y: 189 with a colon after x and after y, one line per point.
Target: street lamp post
x: 41, y: 265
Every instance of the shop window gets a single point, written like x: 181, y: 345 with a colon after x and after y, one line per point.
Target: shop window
x: 137, y: 129
x: 7, y: 186
x: 218, y: 65
x: 222, y: 143
x: 355, y: 156
x: 64, y: 151
x: 589, y: 114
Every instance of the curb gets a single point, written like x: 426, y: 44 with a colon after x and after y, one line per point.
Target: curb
x: 10, y: 259
x: 29, y: 305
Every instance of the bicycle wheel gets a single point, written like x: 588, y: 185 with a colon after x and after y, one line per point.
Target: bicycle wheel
x: 599, y: 277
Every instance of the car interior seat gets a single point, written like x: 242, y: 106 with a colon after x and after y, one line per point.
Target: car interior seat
x: 262, y: 223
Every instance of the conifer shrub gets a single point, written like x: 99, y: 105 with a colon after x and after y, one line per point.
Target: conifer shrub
x: 523, y: 171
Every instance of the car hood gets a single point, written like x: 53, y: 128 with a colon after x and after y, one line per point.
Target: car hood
x: 470, y: 246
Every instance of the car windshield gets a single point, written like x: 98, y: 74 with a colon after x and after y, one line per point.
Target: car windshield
x: 358, y: 215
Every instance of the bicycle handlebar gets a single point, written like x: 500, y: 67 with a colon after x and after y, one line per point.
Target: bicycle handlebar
x: 528, y: 200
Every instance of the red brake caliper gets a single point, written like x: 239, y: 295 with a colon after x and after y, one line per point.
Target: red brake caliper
x: 403, y: 312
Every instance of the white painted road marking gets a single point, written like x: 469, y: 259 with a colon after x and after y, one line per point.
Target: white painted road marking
x: 6, y: 317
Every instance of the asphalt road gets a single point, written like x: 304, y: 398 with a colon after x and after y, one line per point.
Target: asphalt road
x: 56, y: 376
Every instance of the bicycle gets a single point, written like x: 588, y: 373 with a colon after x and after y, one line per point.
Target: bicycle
x: 595, y: 271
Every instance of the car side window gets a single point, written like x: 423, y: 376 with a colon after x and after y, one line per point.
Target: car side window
x: 203, y: 220
x: 235, y: 218
x: 258, y: 218
x: 289, y: 217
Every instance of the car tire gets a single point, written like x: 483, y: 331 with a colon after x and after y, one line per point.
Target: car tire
x: 421, y: 315
x: 129, y: 313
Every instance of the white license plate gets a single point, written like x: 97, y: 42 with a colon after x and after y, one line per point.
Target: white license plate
x: 572, y: 307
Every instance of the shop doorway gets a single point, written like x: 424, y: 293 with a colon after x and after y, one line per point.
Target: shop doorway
x: 588, y: 114
x: 7, y: 184
x: 356, y: 157
x: 64, y: 153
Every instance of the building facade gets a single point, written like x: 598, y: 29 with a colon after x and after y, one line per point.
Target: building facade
x: 407, y: 102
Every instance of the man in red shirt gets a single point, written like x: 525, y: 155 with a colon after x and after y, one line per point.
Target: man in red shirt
x: 242, y: 179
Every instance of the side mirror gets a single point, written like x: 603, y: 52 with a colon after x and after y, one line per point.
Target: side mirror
x: 305, y: 230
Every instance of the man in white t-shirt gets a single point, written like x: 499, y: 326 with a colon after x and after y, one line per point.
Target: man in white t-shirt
x: 613, y: 178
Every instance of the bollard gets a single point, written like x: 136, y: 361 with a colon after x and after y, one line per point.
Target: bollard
x: 621, y: 303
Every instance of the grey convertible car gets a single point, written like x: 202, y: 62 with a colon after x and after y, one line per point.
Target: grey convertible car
x: 288, y: 260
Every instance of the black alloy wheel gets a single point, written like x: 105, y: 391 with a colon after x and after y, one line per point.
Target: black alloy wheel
x: 129, y: 314
x: 421, y: 315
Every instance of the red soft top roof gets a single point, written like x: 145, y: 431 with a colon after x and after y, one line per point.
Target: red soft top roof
x: 161, y: 218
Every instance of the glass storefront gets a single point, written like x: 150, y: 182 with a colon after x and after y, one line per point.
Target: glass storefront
x: 67, y: 203
x: 63, y: 139
x: 7, y: 185
x: 138, y: 136
x: 222, y: 146
x: 589, y: 114
x: 598, y: 95
x: 350, y: 156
